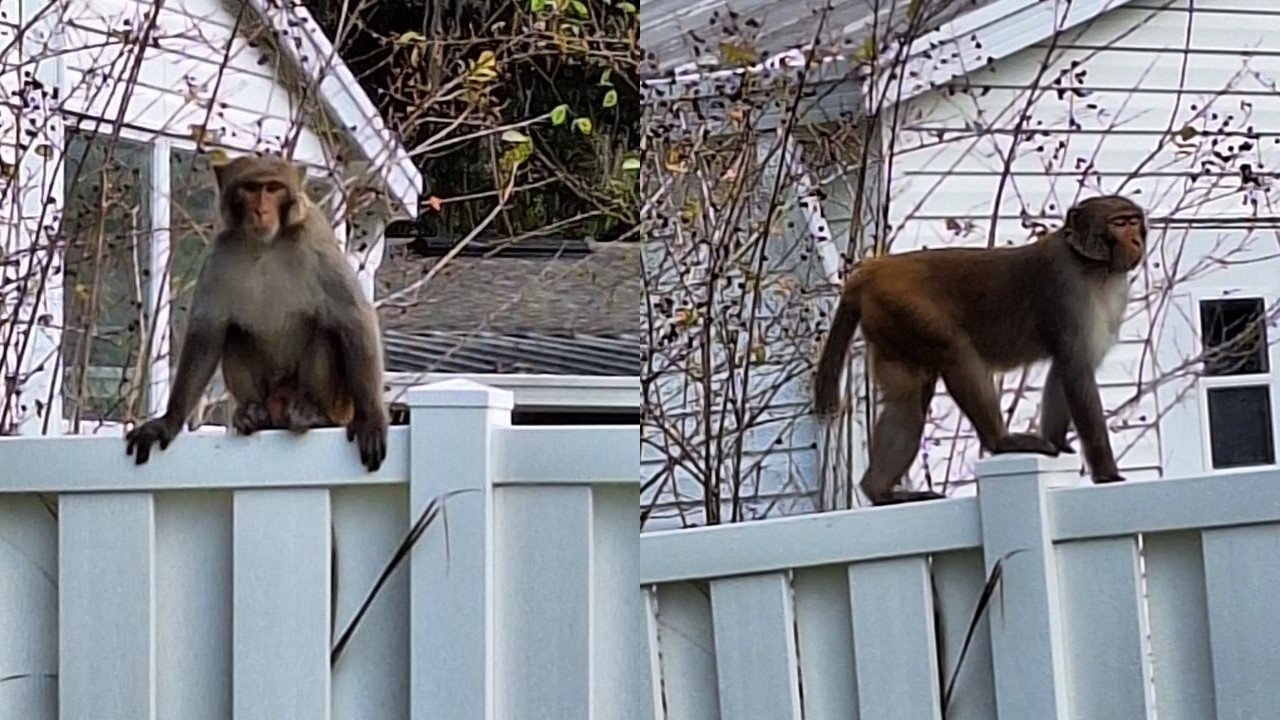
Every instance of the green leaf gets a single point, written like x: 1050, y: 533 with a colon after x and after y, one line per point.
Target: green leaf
x: 583, y: 125
x: 514, y: 136
x: 537, y: 5
x: 631, y: 163
x: 604, y: 78
x: 579, y: 7
x: 611, y: 98
x: 627, y: 7
x: 559, y: 114
x: 409, y: 37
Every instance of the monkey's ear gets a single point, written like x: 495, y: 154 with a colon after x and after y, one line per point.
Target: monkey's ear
x: 300, y: 177
x: 1087, y: 241
x: 220, y: 173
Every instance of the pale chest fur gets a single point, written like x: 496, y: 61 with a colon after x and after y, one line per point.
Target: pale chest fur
x: 272, y: 297
x: 1108, y: 303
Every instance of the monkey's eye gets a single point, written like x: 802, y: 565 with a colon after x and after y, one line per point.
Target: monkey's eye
x: 274, y: 187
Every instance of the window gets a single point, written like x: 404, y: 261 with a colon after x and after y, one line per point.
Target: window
x: 1237, y: 385
x: 107, y: 231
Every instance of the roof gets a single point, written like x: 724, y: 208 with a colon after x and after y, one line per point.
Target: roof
x: 313, y: 54
x: 1003, y: 27
x: 510, y: 313
x: 665, y: 26
x: 522, y: 353
x: 599, y: 293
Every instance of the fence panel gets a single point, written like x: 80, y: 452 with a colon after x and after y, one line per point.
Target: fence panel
x: 958, y: 580
x: 117, y: 600
x: 1069, y: 631
x: 755, y: 647
x: 280, y: 592
x: 1242, y: 572
x: 824, y: 634
x: 1104, y: 621
x: 893, y: 631
x: 106, y: 606
x: 1179, y: 616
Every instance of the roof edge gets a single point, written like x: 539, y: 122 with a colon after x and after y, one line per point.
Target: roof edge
x: 341, y: 93
x: 1004, y: 27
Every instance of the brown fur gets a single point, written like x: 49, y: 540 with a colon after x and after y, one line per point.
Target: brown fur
x: 279, y: 306
x: 960, y: 313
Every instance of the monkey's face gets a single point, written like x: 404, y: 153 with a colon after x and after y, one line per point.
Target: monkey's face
x: 1110, y: 229
x: 1128, y: 230
x: 263, y: 205
x: 260, y: 196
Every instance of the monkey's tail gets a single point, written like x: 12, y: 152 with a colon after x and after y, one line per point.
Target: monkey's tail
x: 826, y: 384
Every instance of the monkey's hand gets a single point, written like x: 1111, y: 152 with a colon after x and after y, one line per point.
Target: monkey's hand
x: 140, y: 439
x: 370, y: 435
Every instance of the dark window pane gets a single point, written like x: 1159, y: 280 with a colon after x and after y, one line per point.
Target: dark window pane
x: 107, y: 230
x: 1240, y: 426
x: 1234, y: 335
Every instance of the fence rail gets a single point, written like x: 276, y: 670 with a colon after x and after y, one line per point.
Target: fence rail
x: 198, y: 585
x: 1113, y: 601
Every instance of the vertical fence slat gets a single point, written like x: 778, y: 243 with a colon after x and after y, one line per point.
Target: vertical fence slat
x: 1103, y: 626
x: 959, y: 580
x: 280, y: 625
x: 893, y: 638
x: 106, y: 606
x: 755, y: 647
x: 1242, y: 572
x: 193, y: 580
x: 451, y: 603
x: 688, y: 652
x: 824, y: 635
x: 28, y: 608
x: 622, y: 680
x: 654, y: 654
x: 1181, y: 658
x: 542, y: 602
x: 1026, y: 643
x: 370, y: 681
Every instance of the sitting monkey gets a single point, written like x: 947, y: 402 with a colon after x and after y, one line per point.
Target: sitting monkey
x: 279, y: 306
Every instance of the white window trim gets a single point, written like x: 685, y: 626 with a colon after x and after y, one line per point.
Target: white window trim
x: 1185, y: 426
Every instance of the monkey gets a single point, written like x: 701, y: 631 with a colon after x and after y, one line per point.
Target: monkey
x: 961, y: 313
x: 276, y: 303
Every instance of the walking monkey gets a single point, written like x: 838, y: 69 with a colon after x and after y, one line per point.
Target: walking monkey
x: 961, y: 313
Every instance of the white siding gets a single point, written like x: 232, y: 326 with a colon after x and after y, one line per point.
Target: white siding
x: 1147, y: 70
x: 176, y: 79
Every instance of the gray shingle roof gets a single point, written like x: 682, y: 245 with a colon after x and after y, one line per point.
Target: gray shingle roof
x: 533, y: 353
x: 554, y: 315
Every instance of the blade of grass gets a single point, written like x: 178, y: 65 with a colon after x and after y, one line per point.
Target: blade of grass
x: 993, y: 581
x: 434, y: 508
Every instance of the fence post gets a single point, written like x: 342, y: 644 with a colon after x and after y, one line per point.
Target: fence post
x: 451, y: 659
x: 1026, y: 631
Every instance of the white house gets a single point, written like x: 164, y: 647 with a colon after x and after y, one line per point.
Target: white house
x: 1169, y: 102
x: 240, y: 77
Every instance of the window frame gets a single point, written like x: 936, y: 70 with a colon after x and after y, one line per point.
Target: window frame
x: 1204, y: 383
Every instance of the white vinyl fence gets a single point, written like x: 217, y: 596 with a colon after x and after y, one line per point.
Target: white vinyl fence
x: 1115, y: 601
x: 198, y: 585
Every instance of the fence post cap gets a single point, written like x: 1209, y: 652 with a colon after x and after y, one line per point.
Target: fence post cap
x: 459, y: 393
x: 1025, y: 464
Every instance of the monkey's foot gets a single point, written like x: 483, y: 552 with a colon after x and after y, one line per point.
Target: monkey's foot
x: 1109, y: 478
x: 251, y: 417
x: 303, y: 415
x: 898, y: 497
x: 1024, y: 443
